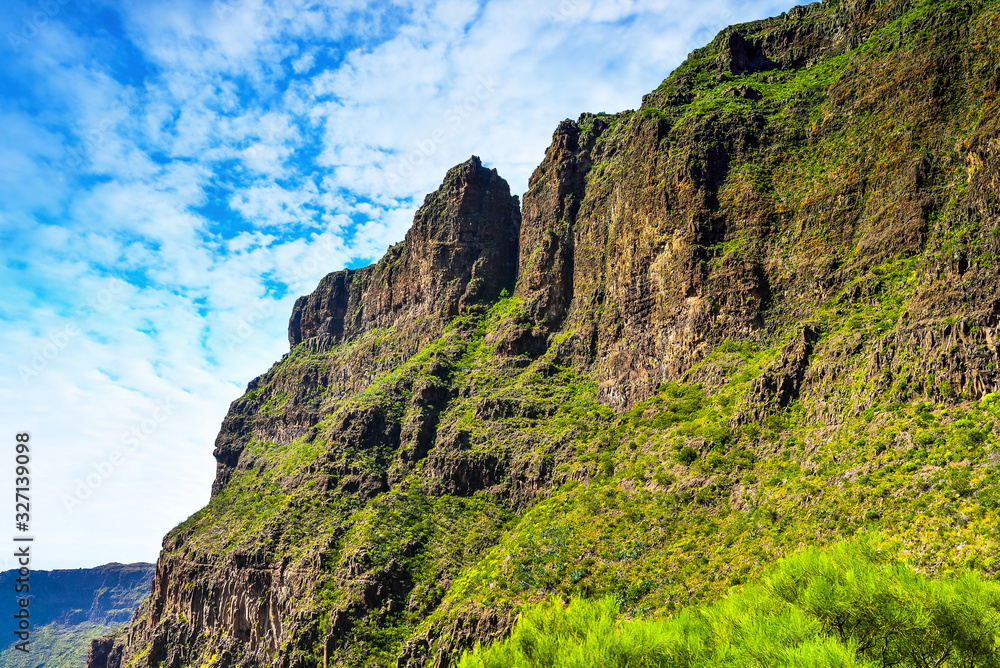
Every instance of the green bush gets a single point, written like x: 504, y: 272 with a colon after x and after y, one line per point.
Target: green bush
x: 686, y: 455
x: 854, y: 604
x: 653, y: 112
x: 662, y: 478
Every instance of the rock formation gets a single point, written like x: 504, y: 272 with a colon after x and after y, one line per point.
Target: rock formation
x: 759, y: 311
x: 461, y: 250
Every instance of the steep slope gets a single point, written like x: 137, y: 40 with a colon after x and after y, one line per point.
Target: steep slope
x: 460, y: 252
x: 69, y: 608
x: 758, y: 313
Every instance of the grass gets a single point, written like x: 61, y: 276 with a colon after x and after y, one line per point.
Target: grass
x: 55, y: 646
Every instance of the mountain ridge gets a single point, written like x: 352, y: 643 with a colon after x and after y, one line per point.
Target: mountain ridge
x: 756, y: 314
x: 70, y: 607
x: 456, y: 255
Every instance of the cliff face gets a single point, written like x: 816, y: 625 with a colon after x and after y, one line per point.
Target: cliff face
x: 461, y: 250
x: 758, y: 312
x: 768, y: 173
x: 460, y: 253
x: 373, y: 351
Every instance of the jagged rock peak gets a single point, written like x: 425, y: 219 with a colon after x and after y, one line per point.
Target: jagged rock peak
x: 461, y: 249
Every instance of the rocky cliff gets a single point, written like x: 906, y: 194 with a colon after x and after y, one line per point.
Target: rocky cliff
x: 460, y: 253
x: 461, y: 250
x: 756, y: 313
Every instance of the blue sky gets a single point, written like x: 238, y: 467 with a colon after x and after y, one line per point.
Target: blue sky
x: 176, y: 173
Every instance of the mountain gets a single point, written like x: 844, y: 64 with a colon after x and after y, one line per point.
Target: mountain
x: 69, y: 608
x: 757, y: 314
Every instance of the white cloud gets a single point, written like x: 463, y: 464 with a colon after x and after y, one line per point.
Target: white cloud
x: 304, y: 63
x: 271, y: 204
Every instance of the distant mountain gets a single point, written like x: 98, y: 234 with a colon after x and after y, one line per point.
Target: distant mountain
x: 69, y: 608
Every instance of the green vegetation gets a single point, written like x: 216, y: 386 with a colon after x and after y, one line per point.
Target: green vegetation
x: 853, y: 604
x: 55, y: 646
x: 677, y: 505
x: 807, y: 253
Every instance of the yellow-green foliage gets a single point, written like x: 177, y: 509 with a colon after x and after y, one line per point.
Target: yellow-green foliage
x: 658, y: 533
x: 854, y: 604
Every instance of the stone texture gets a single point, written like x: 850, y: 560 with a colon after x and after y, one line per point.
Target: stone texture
x: 461, y: 250
x: 460, y: 253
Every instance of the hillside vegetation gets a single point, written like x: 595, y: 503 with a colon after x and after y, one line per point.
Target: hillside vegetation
x: 760, y: 314
x: 853, y: 604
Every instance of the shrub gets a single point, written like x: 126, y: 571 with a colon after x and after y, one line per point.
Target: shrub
x: 687, y: 455
x: 653, y: 112
x: 662, y: 478
x: 854, y: 604
x: 607, y: 464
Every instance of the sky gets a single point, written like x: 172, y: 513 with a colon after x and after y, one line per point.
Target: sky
x: 175, y: 173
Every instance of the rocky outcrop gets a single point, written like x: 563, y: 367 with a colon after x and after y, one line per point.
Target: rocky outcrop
x: 551, y: 205
x: 249, y: 603
x: 99, y: 654
x: 460, y: 253
x: 648, y: 234
x: 461, y: 250
x: 463, y: 630
x: 779, y: 385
